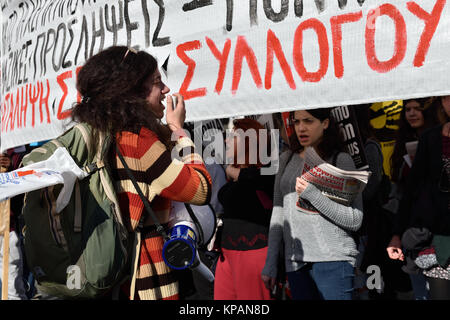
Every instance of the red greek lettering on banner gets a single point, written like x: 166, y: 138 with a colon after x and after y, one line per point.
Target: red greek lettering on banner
x: 400, y: 38
x: 274, y: 46
x: 324, y: 49
x: 181, y: 52
x: 223, y: 59
x: 431, y: 22
x: 336, y: 35
x: 242, y: 51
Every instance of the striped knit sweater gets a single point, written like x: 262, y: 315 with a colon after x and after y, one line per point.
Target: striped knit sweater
x: 161, y: 180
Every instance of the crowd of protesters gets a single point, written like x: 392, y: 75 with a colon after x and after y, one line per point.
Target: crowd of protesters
x: 278, y: 236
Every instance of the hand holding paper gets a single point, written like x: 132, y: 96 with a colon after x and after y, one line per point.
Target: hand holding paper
x: 60, y: 168
x: 300, y: 185
x: 339, y: 185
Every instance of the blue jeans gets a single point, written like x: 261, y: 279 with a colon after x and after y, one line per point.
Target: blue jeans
x: 322, y: 281
x: 419, y: 285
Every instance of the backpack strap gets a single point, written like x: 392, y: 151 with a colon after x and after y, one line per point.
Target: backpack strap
x: 101, y: 148
x: 78, y: 206
x: 94, y: 166
x: 378, y: 146
x: 78, y: 214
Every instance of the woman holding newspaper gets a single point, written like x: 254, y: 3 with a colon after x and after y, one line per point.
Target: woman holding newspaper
x: 315, y: 225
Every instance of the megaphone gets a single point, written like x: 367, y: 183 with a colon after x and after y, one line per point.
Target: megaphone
x: 190, y: 226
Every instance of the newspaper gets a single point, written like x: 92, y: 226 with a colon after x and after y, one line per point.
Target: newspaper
x: 338, y: 185
x: 411, y: 148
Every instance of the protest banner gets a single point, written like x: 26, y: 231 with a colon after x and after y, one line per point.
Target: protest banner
x: 45, y: 43
x: 227, y: 58
x: 346, y: 119
x: 283, y: 55
x: 286, y: 123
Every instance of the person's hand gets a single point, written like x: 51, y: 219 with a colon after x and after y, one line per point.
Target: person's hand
x: 175, y: 116
x: 232, y: 172
x: 5, y: 162
x: 300, y: 185
x: 446, y: 129
x: 269, y: 282
x: 394, y: 249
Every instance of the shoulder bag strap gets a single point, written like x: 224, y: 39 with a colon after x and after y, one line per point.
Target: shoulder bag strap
x: 149, y: 210
x: 196, y: 222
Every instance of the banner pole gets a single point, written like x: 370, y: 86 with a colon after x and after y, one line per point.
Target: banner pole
x: 4, y: 228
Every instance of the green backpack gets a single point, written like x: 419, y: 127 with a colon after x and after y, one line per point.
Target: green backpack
x: 87, y: 239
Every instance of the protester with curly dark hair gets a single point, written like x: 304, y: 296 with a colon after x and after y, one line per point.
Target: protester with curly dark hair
x: 123, y: 96
x: 122, y: 90
x: 319, y: 250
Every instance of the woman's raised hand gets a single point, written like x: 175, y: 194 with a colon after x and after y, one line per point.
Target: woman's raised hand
x: 175, y: 116
x: 232, y: 172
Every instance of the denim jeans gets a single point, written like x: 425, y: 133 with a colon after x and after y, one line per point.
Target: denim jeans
x: 419, y: 285
x: 322, y: 281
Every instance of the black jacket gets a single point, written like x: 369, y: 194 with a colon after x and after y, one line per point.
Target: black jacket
x: 423, y: 204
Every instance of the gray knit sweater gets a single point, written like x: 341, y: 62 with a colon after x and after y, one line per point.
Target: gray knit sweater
x: 310, y: 237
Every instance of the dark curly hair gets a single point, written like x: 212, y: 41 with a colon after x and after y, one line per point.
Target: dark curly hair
x: 332, y: 141
x: 112, y: 84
